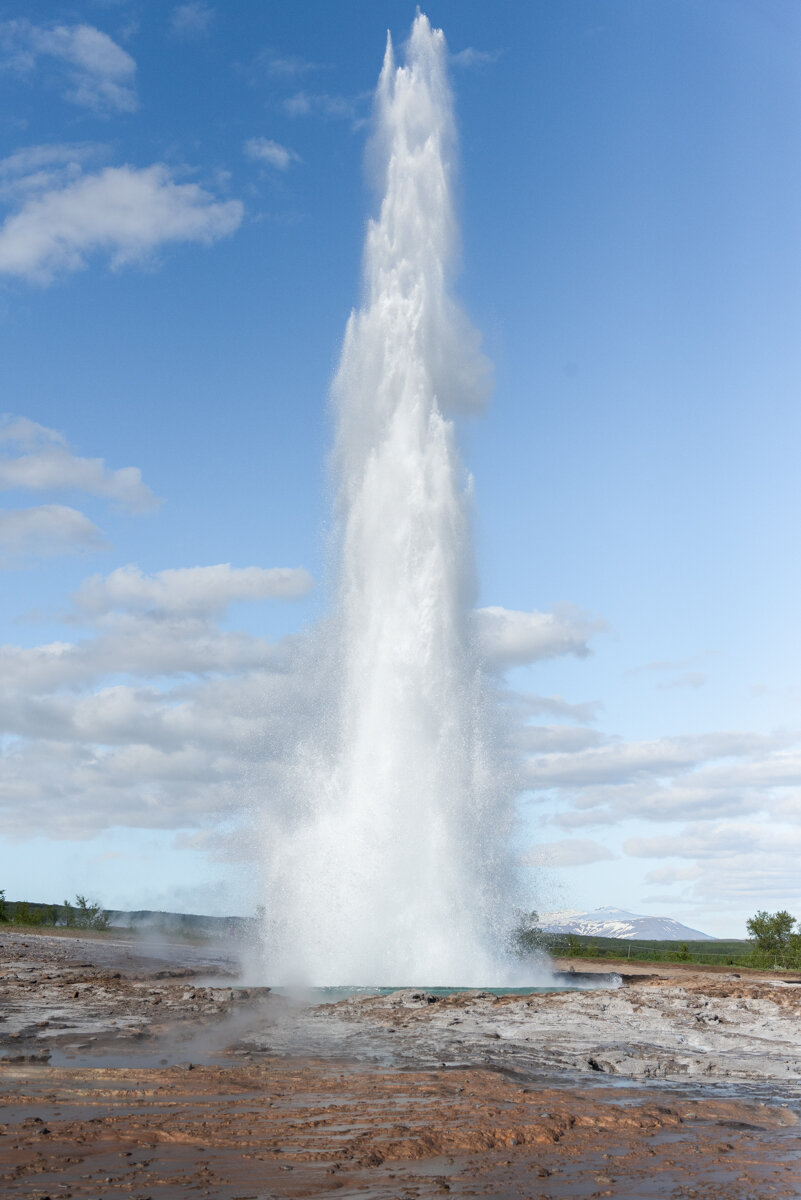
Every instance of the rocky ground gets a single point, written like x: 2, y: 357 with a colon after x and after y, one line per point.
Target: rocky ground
x: 146, y: 1072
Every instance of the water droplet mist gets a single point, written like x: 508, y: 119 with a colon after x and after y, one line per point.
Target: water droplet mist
x: 389, y: 863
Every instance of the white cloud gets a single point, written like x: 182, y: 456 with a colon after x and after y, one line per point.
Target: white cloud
x: 283, y: 66
x: 39, y: 168
x: 189, y: 591
x: 318, y: 104
x: 569, y: 852
x: 158, y: 718
x: 27, y: 433
x: 47, y: 529
x: 625, y: 762
x: 192, y: 20
x: 651, y: 800
x: 36, y: 458
x: 509, y: 638
x: 92, y: 70
x: 262, y: 149
x: 702, y: 779
x: 138, y: 647
x: 737, y: 794
x: 125, y: 213
x: 532, y: 705
x: 74, y: 791
x: 150, y: 627
x: 715, y: 841
x: 469, y: 57
x: 555, y: 739
x: 739, y: 866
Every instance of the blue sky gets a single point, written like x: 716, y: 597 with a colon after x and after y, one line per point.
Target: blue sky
x: 183, y: 200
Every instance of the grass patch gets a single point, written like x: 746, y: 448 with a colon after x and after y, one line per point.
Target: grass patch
x: 731, y: 953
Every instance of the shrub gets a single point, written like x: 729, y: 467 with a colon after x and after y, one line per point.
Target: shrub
x: 83, y: 915
x: 775, y: 944
x: 771, y: 932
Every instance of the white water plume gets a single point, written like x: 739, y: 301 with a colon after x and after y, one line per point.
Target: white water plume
x: 390, y: 863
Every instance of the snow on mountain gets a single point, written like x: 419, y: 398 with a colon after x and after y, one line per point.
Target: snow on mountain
x: 617, y: 923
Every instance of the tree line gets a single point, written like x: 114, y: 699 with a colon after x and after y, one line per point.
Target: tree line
x: 80, y: 914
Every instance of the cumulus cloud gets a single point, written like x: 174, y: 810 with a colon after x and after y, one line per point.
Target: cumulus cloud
x: 189, y: 591
x: 283, y: 66
x: 123, y: 213
x: 262, y: 149
x: 470, y: 57
x: 531, y: 705
x: 720, y: 840
x: 569, y: 852
x: 37, y: 168
x: 624, y: 762
x: 36, y: 458
x: 743, y: 865
x: 702, y: 779
x: 135, y: 647
x: 148, y: 627
x: 27, y: 433
x: 318, y: 104
x: 555, y: 739
x: 177, y: 756
x: 158, y: 718
x: 725, y: 806
x: 509, y: 638
x: 663, y: 800
x: 133, y: 785
x: 47, y: 529
x: 91, y: 70
x: 192, y: 20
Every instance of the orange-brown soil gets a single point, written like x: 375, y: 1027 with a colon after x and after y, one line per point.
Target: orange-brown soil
x: 126, y: 1077
x: 308, y: 1128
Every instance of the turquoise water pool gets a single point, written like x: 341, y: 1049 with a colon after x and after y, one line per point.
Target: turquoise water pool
x: 330, y: 995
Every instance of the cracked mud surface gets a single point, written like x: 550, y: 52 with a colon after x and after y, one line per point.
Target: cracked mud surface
x: 125, y: 1074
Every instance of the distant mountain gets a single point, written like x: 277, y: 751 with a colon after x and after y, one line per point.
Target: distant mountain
x: 617, y: 923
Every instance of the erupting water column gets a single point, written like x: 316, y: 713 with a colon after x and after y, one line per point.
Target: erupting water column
x: 391, y: 861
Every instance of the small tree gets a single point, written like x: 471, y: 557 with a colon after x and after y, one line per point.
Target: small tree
x: 89, y: 916
x: 3, y: 909
x: 83, y: 915
x: 771, y: 933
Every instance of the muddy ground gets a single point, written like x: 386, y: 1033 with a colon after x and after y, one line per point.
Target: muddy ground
x: 147, y: 1072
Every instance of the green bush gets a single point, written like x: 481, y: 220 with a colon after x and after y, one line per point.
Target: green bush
x: 774, y: 939
x: 23, y: 912
x: 83, y: 915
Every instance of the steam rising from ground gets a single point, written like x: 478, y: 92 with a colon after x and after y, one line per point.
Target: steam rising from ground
x: 389, y: 863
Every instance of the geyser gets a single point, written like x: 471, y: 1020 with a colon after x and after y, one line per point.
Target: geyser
x: 389, y: 863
